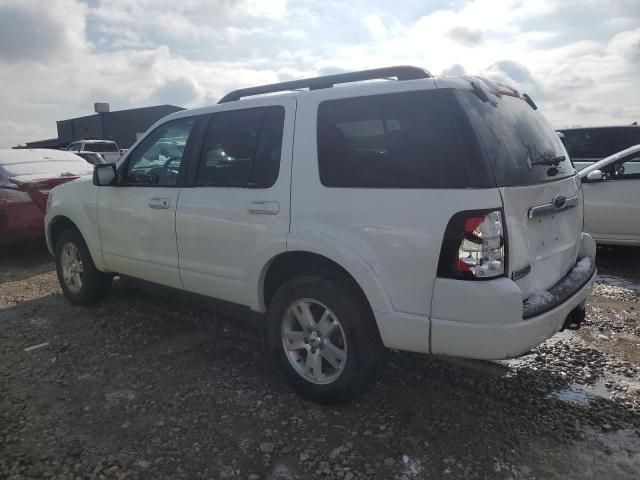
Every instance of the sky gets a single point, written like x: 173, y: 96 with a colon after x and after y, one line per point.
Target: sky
x: 578, y: 59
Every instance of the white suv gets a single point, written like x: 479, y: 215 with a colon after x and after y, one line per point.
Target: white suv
x: 436, y: 215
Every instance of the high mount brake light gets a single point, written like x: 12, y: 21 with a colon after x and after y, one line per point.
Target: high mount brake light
x: 474, y: 246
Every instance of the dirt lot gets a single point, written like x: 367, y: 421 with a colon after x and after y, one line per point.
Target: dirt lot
x: 147, y: 387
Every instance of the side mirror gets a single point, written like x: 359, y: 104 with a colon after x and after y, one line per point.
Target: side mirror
x: 104, y: 174
x: 595, y: 176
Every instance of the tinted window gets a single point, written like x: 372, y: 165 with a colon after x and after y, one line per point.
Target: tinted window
x: 594, y: 143
x: 401, y: 140
x: 601, y: 142
x: 520, y: 144
x: 158, y: 158
x: 242, y: 148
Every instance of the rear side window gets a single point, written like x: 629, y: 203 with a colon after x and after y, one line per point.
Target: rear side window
x: 518, y: 141
x: 400, y: 140
x: 242, y: 148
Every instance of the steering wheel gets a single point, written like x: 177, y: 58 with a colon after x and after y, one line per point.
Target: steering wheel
x: 167, y: 164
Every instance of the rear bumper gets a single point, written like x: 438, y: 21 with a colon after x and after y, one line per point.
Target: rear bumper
x: 489, y: 320
x: 497, y: 341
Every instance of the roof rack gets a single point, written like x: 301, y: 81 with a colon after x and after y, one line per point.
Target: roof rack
x: 401, y: 72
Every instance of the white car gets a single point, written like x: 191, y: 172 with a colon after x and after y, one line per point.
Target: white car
x: 435, y: 215
x: 611, y: 189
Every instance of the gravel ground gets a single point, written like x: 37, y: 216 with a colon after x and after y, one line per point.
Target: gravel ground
x: 146, y: 387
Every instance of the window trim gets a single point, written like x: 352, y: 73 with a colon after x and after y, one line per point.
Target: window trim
x: 191, y: 144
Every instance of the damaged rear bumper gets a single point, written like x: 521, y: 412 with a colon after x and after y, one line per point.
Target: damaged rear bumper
x: 498, y: 341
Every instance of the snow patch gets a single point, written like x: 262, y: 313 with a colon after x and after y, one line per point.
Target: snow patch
x: 578, y: 275
x: 540, y: 297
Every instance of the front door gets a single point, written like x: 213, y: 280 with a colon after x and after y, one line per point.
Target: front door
x: 136, y: 216
x: 235, y: 213
x: 612, y: 206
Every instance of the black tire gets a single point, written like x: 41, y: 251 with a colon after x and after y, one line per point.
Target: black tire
x: 364, y: 348
x: 95, y: 285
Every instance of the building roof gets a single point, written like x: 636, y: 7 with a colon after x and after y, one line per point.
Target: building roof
x: 126, y: 110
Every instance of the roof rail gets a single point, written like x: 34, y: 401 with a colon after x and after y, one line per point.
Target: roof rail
x: 401, y: 72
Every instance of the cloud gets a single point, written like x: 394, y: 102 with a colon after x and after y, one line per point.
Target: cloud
x: 580, y: 64
x: 627, y: 45
x: 179, y: 91
x: 468, y: 37
x: 29, y: 32
x: 456, y: 70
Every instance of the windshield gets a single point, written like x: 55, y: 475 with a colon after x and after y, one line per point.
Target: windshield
x: 101, y: 147
x: 521, y: 145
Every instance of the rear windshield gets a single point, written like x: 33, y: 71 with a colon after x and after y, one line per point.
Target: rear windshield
x: 101, y: 147
x: 521, y: 145
x: 597, y: 143
x: 52, y: 168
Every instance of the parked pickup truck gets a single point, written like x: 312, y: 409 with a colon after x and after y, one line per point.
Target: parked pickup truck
x: 107, y: 149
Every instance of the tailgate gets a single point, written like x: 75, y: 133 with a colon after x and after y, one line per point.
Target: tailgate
x: 544, y: 223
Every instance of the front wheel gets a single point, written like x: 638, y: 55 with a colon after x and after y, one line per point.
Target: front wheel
x: 81, y: 282
x: 323, y: 338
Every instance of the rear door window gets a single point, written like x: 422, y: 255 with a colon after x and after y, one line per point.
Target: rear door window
x: 242, y: 148
x: 400, y: 140
x: 520, y: 144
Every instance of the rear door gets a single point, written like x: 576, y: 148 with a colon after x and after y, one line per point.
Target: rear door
x: 539, y: 188
x: 234, y: 215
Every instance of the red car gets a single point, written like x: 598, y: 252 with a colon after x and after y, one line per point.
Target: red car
x: 26, y: 177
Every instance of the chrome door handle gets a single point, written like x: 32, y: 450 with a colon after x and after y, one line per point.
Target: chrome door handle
x: 159, y: 203
x: 264, y: 208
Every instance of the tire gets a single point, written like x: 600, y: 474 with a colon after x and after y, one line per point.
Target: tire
x: 81, y: 282
x: 352, y: 336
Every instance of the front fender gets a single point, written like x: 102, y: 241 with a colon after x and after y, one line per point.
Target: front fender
x: 76, y: 201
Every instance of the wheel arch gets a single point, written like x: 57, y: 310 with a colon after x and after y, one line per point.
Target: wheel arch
x: 286, y: 265
x: 57, y: 225
x: 61, y: 222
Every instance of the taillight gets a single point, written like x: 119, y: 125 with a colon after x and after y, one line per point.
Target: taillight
x: 10, y: 194
x: 474, y: 246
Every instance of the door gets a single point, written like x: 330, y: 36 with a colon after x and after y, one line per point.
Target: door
x: 612, y: 206
x: 136, y: 217
x: 235, y: 213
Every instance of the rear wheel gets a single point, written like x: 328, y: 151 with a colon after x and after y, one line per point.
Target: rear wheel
x: 323, y: 338
x: 80, y: 280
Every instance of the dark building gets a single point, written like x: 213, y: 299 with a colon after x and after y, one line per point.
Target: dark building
x: 124, y: 126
